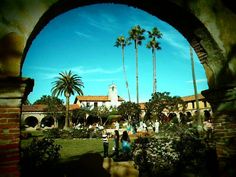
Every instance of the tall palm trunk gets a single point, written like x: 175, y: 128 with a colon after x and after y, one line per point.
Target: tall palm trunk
x: 67, y: 123
x: 137, y: 90
x: 126, y: 81
x: 195, y: 87
x: 154, y: 70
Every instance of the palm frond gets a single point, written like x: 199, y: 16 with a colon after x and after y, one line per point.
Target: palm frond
x: 67, y: 82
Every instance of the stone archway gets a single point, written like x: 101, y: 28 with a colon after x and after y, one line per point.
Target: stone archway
x: 209, y: 26
x: 31, y: 121
x: 47, y: 121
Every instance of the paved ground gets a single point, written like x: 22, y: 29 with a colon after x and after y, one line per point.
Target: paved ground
x: 120, y: 169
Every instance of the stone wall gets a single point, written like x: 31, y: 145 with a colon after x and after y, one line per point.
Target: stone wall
x: 12, y: 92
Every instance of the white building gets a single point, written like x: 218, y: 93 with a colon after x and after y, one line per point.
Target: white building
x: 110, y: 100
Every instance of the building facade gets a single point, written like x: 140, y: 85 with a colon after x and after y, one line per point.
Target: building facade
x: 112, y: 100
x: 191, y: 105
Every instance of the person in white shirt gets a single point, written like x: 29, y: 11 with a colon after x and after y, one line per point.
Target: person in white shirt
x: 117, y: 125
x: 156, y: 125
x: 105, y: 143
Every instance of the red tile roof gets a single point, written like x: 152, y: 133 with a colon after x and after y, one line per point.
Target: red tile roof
x: 74, y: 107
x: 185, y: 98
x: 142, y: 105
x: 96, y: 98
x: 192, y: 97
x: 43, y: 108
x: 34, y: 108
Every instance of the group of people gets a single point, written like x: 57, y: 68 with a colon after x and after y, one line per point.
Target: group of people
x: 125, y: 143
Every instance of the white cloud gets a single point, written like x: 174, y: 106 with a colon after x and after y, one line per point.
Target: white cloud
x: 83, y: 34
x: 48, y: 76
x: 40, y: 68
x: 102, y: 80
x: 198, y: 81
x: 83, y: 70
x: 46, y: 73
x: 101, y: 21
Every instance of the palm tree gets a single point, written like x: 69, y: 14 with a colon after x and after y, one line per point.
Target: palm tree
x: 154, y: 45
x: 122, y: 42
x: 67, y: 83
x: 136, y: 34
x: 195, y: 87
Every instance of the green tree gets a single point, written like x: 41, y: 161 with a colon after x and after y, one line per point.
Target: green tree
x: 101, y: 112
x: 136, y: 34
x: 154, y: 45
x: 156, y: 105
x: 122, y: 42
x: 55, y: 107
x: 130, y: 111
x: 176, y: 104
x: 80, y: 115
x: 68, y: 84
x: 162, y: 102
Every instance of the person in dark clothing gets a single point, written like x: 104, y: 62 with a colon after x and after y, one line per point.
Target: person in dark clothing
x: 116, y: 144
x: 125, y: 140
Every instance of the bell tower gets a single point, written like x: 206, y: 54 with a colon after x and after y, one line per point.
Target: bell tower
x: 112, y: 95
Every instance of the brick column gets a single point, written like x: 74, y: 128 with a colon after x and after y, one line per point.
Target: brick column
x: 223, y: 102
x: 12, y: 92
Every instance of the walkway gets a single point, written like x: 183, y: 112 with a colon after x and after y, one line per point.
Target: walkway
x: 120, y: 169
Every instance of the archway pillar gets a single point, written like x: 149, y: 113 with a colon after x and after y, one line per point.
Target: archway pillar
x: 223, y: 103
x: 13, y: 90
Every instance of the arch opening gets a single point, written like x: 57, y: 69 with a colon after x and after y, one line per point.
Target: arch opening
x: 214, y: 48
x: 102, y: 65
x: 47, y: 121
x: 31, y: 121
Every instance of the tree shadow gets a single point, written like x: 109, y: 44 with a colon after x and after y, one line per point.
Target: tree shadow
x: 86, y: 165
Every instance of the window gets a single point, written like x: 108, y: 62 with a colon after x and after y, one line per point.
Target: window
x: 205, y: 104
x: 95, y: 104
x: 193, y: 106
x: 87, y: 104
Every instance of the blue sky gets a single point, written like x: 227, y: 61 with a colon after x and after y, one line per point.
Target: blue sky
x: 82, y: 40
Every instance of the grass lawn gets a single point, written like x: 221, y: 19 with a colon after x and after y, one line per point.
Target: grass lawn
x: 72, y: 148
x: 76, y: 147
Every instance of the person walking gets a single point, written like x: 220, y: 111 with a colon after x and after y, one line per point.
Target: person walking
x: 105, y: 143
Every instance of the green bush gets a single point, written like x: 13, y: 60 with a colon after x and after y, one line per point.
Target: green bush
x: 40, y: 154
x: 52, y: 133
x: 81, y: 133
x: 25, y: 135
x: 72, y: 133
x: 175, y: 150
x: 155, y: 156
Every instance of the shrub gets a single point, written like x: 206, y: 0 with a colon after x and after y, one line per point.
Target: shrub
x: 155, y: 156
x: 40, y: 154
x: 72, y: 133
x: 25, y: 135
x: 52, y: 133
x: 173, y: 151
x: 81, y: 133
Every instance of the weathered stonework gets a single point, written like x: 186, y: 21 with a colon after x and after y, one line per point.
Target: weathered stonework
x: 223, y: 102
x: 12, y: 92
